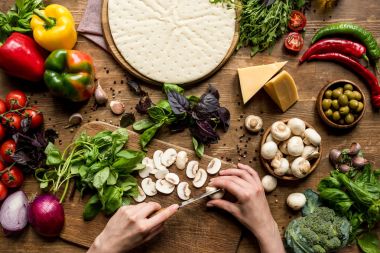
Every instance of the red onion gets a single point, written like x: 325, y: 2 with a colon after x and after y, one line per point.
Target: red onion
x: 46, y: 215
x: 13, y: 213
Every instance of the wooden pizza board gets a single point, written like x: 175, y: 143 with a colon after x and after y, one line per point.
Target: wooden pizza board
x: 120, y: 59
x: 195, y: 228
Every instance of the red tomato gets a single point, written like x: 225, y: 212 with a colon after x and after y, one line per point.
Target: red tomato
x: 3, y: 106
x: 37, y: 118
x: 2, y: 166
x: 16, y: 99
x: 3, y: 191
x: 13, y: 178
x: 7, y: 150
x: 294, y: 42
x: 3, y: 132
x: 297, y: 21
x: 12, y: 120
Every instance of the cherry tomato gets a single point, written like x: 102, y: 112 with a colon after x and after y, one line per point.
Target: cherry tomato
x: 294, y: 42
x: 3, y: 191
x: 3, y: 132
x: 297, y: 21
x: 16, y: 99
x: 12, y: 120
x: 2, y: 166
x: 13, y: 178
x: 7, y: 150
x: 3, y: 106
x: 37, y: 118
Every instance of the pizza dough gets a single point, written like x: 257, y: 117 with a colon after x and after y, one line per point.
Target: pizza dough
x: 172, y: 41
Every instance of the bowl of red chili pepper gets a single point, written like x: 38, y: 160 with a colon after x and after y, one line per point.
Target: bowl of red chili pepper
x: 341, y: 104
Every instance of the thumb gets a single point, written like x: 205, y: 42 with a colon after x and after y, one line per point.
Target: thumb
x: 225, y: 205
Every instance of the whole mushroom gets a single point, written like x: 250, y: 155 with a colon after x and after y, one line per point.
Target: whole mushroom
x: 282, y: 167
x: 295, y: 146
x: 253, y: 123
x: 280, y: 131
x: 296, y: 201
x: 269, y: 183
x: 269, y: 150
x: 312, y: 137
x: 297, y: 126
x: 300, y: 167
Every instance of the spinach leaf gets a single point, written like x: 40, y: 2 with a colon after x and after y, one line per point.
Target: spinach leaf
x: 148, y: 134
x: 142, y: 125
x: 198, y: 147
x: 92, y: 208
x: 369, y: 243
x: 337, y: 199
x: 101, y: 177
x: 172, y: 87
x: 53, y: 155
x: 178, y: 103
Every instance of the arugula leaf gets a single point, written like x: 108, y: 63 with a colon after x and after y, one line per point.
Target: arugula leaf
x: 92, y: 208
x: 198, y: 147
x: 369, y: 243
x: 172, y: 87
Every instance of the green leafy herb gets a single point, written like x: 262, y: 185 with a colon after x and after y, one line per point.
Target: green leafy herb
x: 369, y: 243
x: 198, y: 147
x: 127, y: 119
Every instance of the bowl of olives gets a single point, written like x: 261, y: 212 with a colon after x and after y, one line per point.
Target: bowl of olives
x: 341, y: 104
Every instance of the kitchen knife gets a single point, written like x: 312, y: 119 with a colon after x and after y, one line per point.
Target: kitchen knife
x: 204, y: 195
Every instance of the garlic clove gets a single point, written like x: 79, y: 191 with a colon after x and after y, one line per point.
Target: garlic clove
x: 100, y: 95
x: 75, y: 119
x: 117, y: 107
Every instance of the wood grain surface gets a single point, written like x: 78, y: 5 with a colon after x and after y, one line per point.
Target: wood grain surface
x: 124, y: 63
x: 194, y: 228
x: 309, y: 77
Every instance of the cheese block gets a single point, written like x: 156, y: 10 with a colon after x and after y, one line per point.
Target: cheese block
x: 283, y: 90
x: 252, y: 79
x: 172, y: 41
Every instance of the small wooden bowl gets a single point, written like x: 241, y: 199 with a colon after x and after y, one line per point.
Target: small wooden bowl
x: 314, y: 164
x: 321, y: 113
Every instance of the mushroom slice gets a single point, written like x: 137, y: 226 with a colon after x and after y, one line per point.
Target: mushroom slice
x: 161, y: 173
x: 168, y: 157
x: 217, y: 195
x: 164, y: 186
x: 312, y: 137
x: 141, y: 197
x: 148, y: 186
x: 295, y: 146
x: 157, y: 159
x: 172, y: 178
x: 191, y: 169
x: 280, y: 131
x: 214, y: 166
x: 181, y: 160
x: 148, y: 168
x: 183, y: 191
x: 200, y: 178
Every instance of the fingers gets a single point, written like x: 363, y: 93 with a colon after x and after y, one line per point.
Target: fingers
x: 153, y: 233
x: 225, y: 205
x: 227, y: 184
x: 162, y: 216
x: 251, y: 171
x: 146, y: 209
x: 239, y: 173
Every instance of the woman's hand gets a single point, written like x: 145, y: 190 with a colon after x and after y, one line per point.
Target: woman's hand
x: 251, y: 208
x: 132, y: 226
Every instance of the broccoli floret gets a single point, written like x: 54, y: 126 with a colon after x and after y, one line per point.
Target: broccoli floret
x: 332, y: 244
x: 318, y: 249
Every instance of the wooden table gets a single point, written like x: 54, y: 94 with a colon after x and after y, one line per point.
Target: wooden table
x: 309, y: 78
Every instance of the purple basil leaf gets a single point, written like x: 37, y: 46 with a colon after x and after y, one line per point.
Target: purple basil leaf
x: 208, y: 102
x: 25, y: 124
x: 178, y: 103
x: 213, y: 91
x: 204, y: 131
x: 179, y: 126
x: 144, y: 103
x: 22, y: 158
x: 134, y: 86
x: 224, y: 118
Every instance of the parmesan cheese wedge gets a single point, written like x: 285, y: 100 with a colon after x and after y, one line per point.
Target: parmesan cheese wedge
x: 252, y: 79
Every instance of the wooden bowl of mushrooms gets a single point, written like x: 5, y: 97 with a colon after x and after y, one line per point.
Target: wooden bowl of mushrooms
x: 290, y: 149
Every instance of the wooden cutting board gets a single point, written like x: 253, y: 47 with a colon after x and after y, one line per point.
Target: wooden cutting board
x: 193, y: 229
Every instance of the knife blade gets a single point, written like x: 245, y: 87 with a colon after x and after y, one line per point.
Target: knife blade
x: 204, y: 195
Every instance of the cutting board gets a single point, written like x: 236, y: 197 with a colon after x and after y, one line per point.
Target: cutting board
x: 120, y: 59
x: 195, y: 228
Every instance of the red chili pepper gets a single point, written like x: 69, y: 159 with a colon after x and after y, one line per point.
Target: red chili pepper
x: 20, y: 56
x: 367, y: 75
x: 341, y: 46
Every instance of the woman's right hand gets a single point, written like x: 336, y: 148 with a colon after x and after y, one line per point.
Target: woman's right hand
x: 251, y: 208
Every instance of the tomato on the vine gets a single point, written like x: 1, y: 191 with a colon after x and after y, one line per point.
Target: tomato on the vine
x: 13, y: 177
x: 3, y: 132
x: 3, y: 106
x: 3, y: 191
x: 297, y: 21
x: 36, y: 117
x: 2, y: 166
x: 7, y: 150
x: 294, y: 42
x: 12, y: 120
x: 16, y: 99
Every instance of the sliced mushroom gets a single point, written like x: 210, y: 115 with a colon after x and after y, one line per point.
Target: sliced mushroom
x: 269, y: 150
x: 300, y: 167
x: 297, y: 126
x: 157, y: 159
x: 161, y: 173
x: 172, y: 178
x: 253, y: 123
x: 192, y: 169
x: 181, y: 160
x: 164, y: 186
x: 141, y: 197
x: 168, y: 157
x: 217, y: 195
x: 280, y: 131
x: 282, y: 167
x: 148, y: 168
x: 312, y: 137
x: 214, y: 166
x: 183, y: 191
x: 200, y: 178
x: 148, y: 186
x: 295, y: 146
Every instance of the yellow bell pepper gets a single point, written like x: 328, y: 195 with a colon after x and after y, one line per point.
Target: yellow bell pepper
x: 54, y: 28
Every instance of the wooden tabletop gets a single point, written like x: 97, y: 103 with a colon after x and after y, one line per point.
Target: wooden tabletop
x: 309, y: 78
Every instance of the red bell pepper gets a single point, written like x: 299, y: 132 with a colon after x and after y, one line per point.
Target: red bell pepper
x: 21, y: 57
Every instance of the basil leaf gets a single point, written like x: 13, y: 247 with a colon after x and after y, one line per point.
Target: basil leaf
x: 127, y: 182
x: 113, y: 199
x: 148, y: 134
x: 198, y: 147
x: 127, y: 119
x: 142, y: 124
x: 92, y: 208
x: 157, y: 114
x: 164, y: 104
x: 172, y: 87
x: 112, y: 178
x: 101, y: 177
x: 178, y: 103
x: 53, y: 155
x: 193, y: 100
x: 369, y: 243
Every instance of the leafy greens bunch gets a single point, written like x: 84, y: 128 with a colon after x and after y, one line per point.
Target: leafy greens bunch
x: 202, y: 115
x: 100, y: 165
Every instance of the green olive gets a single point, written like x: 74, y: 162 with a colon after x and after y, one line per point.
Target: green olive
x: 328, y: 94
x: 348, y: 86
x: 336, y: 116
x: 335, y: 104
x: 341, y: 121
x: 336, y: 93
x: 344, y: 110
x: 357, y: 95
x: 326, y: 103
x: 349, y: 94
x: 349, y: 118
x: 360, y: 107
x: 353, y: 104
x: 329, y: 113
x: 343, y: 100
x: 340, y: 89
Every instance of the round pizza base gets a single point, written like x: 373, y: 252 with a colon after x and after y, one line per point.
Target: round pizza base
x: 121, y: 60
